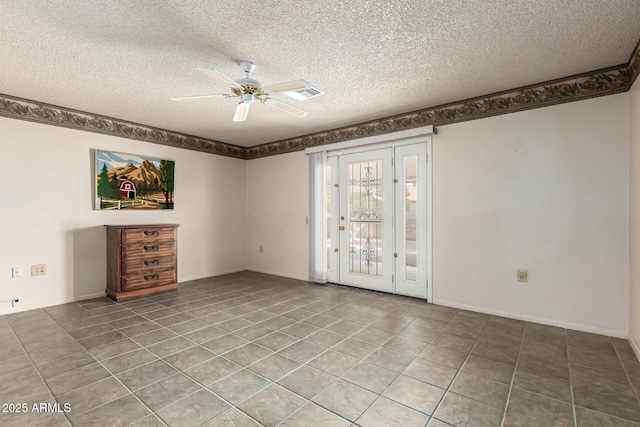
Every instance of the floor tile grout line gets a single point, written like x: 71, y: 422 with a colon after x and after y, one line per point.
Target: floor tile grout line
x: 626, y: 371
x: 513, y: 377
x: 203, y: 387
x: 241, y: 316
x: 201, y: 344
x: 117, y: 379
x: 327, y: 350
x: 124, y: 385
x: 177, y: 372
x: 242, y: 368
x: 97, y: 361
x: 142, y: 347
x: 177, y: 335
x: 222, y: 378
x: 380, y: 395
x: 448, y: 389
x: 35, y: 367
x: 362, y: 359
x: 573, y: 403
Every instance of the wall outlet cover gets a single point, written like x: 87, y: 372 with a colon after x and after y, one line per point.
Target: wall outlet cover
x: 38, y: 269
x: 522, y: 275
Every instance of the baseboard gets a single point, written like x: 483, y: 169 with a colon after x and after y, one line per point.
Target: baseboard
x: 21, y: 308
x: 566, y: 325
x: 277, y: 273
x: 219, y: 273
x: 635, y: 347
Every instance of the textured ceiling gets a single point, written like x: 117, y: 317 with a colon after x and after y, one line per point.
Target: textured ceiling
x: 372, y: 59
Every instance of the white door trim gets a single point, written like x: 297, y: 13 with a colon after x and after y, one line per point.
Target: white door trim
x: 333, y: 159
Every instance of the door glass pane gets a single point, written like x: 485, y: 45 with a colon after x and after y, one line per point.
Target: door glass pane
x: 365, y: 217
x: 410, y: 215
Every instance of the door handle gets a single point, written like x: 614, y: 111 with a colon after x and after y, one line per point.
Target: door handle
x: 341, y: 228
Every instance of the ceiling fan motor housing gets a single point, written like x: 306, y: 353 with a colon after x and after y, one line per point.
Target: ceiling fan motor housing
x: 247, y: 66
x: 248, y: 82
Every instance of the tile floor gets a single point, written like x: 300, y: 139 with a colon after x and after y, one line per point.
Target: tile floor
x: 249, y: 349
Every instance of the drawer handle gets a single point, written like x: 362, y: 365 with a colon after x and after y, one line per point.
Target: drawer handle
x: 150, y: 233
x: 152, y: 277
x: 150, y: 247
x: 151, y: 262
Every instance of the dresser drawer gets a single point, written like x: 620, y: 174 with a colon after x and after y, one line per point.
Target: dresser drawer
x: 148, y: 279
x: 141, y: 260
x: 147, y: 250
x: 146, y: 263
x: 148, y: 234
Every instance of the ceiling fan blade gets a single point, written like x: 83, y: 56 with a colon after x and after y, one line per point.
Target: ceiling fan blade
x: 242, y: 111
x: 190, y: 98
x: 287, y: 87
x: 288, y: 108
x: 219, y: 77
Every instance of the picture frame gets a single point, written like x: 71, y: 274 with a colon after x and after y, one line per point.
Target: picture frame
x: 125, y: 181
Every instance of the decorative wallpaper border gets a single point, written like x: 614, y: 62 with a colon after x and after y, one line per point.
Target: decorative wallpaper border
x: 33, y: 111
x: 574, y: 88
x: 634, y: 64
x: 583, y: 86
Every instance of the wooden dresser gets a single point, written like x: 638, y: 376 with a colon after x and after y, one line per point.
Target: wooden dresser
x: 141, y: 260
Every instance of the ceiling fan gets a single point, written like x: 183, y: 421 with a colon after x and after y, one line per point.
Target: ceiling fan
x: 248, y: 90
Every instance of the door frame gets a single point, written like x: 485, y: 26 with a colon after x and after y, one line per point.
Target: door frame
x: 333, y: 160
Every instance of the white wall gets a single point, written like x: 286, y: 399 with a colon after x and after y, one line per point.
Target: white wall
x: 545, y: 190
x: 634, y: 216
x: 277, y: 207
x: 47, y: 214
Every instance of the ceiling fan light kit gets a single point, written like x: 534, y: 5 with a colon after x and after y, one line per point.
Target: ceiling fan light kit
x: 248, y: 98
x: 248, y: 90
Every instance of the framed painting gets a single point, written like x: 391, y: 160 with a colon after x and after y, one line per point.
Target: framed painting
x: 132, y: 181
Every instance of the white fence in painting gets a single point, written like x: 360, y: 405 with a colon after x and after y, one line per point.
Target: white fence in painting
x: 107, y: 204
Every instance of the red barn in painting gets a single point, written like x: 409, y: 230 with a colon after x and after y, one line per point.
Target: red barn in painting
x: 127, y: 188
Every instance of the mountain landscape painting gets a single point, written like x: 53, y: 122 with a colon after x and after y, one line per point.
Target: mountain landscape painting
x: 131, y: 181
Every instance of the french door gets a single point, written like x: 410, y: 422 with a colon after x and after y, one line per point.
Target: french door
x: 379, y: 219
x: 365, y: 230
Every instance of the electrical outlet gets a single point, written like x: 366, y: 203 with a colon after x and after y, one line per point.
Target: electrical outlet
x: 38, y: 269
x: 16, y: 272
x: 522, y: 275
x: 260, y: 249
